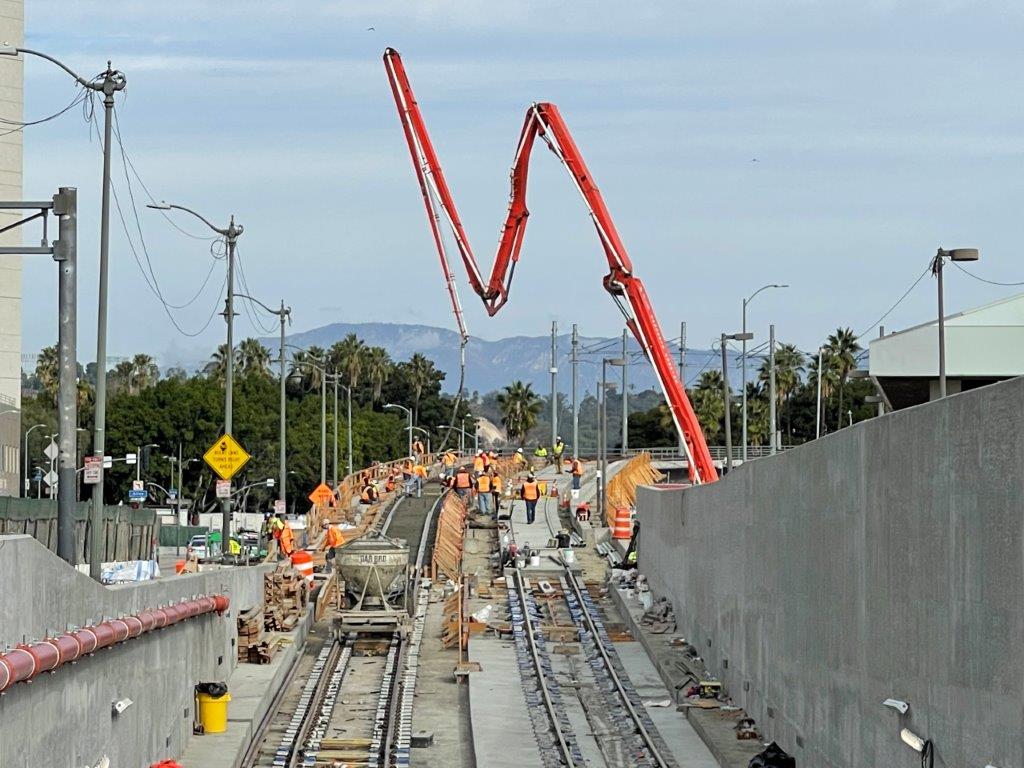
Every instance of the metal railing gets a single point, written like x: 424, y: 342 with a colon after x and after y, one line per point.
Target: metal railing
x: 717, y: 452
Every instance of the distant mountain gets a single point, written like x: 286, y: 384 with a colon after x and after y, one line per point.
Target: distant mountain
x: 491, y: 365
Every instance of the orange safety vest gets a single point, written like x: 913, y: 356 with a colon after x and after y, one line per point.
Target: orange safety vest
x: 333, y: 538
x: 420, y: 470
x: 483, y: 484
x: 577, y: 467
x: 463, y: 480
x: 531, y: 491
x: 478, y: 464
x: 496, y: 483
x: 449, y: 459
x: 367, y: 494
x: 287, y: 539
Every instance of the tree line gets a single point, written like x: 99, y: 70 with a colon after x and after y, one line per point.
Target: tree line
x: 171, y: 408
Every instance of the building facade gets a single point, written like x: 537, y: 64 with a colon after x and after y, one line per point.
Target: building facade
x: 12, y: 31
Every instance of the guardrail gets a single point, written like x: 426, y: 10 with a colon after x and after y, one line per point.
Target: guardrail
x: 718, y: 452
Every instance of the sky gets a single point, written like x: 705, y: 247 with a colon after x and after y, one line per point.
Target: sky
x: 831, y: 146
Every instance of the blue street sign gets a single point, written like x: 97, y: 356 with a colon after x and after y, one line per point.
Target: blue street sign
x: 134, y: 495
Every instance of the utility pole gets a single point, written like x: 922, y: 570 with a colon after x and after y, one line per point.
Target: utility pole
x: 728, y: 414
x: 625, y: 406
x: 65, y: 253
x: 283, y: 417
x: 554, y: 383
x: 335, y: 431
x: 574, y: 359
x: 771, y: 387
x: 348, y: 398
x: 323, y: 425
x: 817, y: 413
x: 231, y: 233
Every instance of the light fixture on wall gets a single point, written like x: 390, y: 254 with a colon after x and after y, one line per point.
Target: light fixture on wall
x: 919, y: 745
x: 900, y: 706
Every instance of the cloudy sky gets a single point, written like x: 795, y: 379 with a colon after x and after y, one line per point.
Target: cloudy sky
x: 881, y: 130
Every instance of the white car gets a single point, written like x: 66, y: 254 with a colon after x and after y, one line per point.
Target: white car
x: 196, y: 547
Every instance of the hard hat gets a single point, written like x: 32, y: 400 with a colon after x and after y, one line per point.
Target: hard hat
x: 558, y: 439
x: 519, y: 450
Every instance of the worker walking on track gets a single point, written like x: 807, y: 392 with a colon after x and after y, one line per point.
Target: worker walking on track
x: 463, y: 483
x: 556, y: 454
x: 483, y: 494
x: 577, y: 472
x: 286, y: 538
x: 518, y: 459
x: 479, y: 463
x: 417, y: 450
x: 419, y: 476
x: 332, y: 538
x: 496, y: 491
x: 530, y: 492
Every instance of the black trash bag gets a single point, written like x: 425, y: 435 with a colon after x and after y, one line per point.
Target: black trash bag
x: 772, y: 757
x: 213, y: 690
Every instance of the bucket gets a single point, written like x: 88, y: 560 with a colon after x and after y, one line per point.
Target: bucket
x: 534, y: 559
x: 302, y: 562
x: 179, y: 566
x: 213, y: 712
x: 568, y: 556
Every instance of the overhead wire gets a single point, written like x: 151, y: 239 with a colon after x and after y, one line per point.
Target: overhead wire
x: 985, y: 280
x: 252, y: 309
x: 80, y: 96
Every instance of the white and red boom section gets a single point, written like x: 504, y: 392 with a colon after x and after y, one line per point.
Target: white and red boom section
x: 545, y: 121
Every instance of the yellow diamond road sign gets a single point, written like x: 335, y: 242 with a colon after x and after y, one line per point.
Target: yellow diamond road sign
x: 226, y: 457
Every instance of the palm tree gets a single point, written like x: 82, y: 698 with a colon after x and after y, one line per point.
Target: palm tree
x: 378, y: 369
x: 309, y: 376
x: 520, y: 406
x: 421, y: 373
x: 217, y: 368
x: 48, y: 370
x: 346, y: 356
x: 253, y: 358
x: 709, y: 404
x: 842, y: 349
x: 145, y: 372
x: 122, y: 377
x: 789, y: 364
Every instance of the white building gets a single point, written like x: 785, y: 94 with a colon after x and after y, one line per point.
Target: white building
x: 12, y: 29
x: 983, y: 346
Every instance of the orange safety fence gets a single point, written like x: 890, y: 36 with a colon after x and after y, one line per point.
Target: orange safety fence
x: 451, y: 537
x: 621, y: 491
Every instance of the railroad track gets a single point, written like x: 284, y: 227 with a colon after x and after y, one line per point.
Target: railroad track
x: 619, y: 723
x: 376, y: 676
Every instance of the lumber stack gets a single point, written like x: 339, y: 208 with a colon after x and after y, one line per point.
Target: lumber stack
x: 250, y: 635
x: 285, y: 597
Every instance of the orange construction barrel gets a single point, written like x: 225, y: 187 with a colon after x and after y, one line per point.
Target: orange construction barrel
x: 623, y: 524
x: 302, y: 561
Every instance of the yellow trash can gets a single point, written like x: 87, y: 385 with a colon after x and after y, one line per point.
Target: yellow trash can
x: 542, y: 487
x: 213, y: 712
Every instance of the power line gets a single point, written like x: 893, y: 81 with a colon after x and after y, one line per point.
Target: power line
x: 906, y: 293
x: 982, y: 279
x: 251, y: 309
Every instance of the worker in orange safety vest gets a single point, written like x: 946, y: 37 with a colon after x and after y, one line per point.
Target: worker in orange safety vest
x: 286, y: 537
x: 530, y: 492
x: 332, y: 538
x: 463, y: 482
x: 483, y: 494
x: 577, y: 472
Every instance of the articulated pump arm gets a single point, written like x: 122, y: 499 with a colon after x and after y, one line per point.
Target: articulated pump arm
x: 544, y: 120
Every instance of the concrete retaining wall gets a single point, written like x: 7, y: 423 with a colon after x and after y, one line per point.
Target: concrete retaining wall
x: 885, y: 560
x: 64, y: 720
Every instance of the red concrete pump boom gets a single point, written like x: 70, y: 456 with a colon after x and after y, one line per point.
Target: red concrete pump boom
x: 544, y: 120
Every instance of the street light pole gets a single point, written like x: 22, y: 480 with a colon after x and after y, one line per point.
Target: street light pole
x: 323, y: 427
x: 771, y: 389
x: 743, y: 360
x: 335, y: 431
x: 817, y: 413
x: 603, y: 424
x: 957, y: 254
x: 348, y: 398
x: 725, y: 392
x: 575, y: 405
x: 231, y: 233
x: 108, y: 83
x: 408, y: 412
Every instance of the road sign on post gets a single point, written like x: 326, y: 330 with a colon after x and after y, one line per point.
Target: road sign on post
x: 137, y: 494
x: 223, y: 489
x: 322, y: 495
x: 138, y: 485
x: 93, y: 470
x: 226, y: 457
x: 51, y: 451
x: 279, y: 506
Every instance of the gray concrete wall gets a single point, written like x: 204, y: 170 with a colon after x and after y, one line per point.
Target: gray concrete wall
x: 885, y: 560
x: 64, y: 720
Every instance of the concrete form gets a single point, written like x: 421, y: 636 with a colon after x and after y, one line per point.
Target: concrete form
x: 65, y: 720
x: 886, y: 560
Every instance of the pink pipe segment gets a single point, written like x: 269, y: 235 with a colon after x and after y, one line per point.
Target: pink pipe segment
x: 26, y: 662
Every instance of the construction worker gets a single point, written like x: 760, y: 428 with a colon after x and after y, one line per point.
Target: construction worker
x: 577, y: 472
x: 332, y: 538
x: 419, y: 478
x: 518, y: 459
x: 448, y: 462
x: 463, y: 482
x: 287, y: 538
x: 530, y: 492
x: 483, y: 493
x: 556, y: 453
x: 417, y: 449
x: 487, y: 460
x: 390, y: 484
x: 479, y: 463
x: 496, y: 491
x: 540, y: 455
x: 370, y: 493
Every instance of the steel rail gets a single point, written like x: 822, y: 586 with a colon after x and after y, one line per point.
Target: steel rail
x: 563, y: 746
x: 645, y: 735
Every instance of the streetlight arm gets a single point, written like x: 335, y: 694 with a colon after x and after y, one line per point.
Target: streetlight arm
x: 207, y: 222
x: 285, y: 311
x: 750, y: 298
x: 12, y: 51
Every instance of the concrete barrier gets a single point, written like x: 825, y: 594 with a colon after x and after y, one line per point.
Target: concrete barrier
x: 886, y: 560
x: 66, y: 719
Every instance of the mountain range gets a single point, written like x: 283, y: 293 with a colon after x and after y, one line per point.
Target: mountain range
x: 491, y: 365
